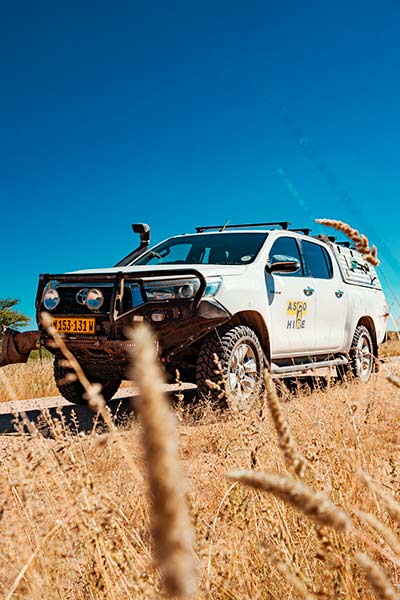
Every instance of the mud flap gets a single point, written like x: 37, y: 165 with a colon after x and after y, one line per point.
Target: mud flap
x: 16, y: 346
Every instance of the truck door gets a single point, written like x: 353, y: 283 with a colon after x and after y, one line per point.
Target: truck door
x: 330, y: 296
x: 292, y: 304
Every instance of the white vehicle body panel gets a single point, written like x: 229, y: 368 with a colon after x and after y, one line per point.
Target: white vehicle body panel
x: 292, y: 315
x: 297, y: 325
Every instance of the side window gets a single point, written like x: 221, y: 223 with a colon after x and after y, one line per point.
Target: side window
x: 287, y: 247
x: 318, y: 261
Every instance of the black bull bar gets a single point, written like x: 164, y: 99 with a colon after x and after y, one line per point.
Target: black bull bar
x: 118, y: 280
x: 17, y: 346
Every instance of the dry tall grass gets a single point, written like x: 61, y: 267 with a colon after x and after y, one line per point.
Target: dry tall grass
x: 31, y: 380
x: 391, y: 347
x: 35, y: 378
x: 75, y: 518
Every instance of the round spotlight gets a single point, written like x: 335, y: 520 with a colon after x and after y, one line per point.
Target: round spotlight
x: 187, y: 290
x: 51, y: 298
x: 157, y: 316
x: 94, y: 299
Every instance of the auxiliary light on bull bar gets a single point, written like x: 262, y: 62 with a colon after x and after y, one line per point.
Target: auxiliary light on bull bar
x: 157, y: 316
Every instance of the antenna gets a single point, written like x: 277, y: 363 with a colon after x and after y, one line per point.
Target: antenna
x: 226, y: 225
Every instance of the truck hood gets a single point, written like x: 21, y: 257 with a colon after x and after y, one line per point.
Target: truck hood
x: 206, y: 270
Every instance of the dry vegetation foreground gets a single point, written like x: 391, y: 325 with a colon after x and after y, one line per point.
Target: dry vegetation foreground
x: 75, y: 516
x: 34, y: 379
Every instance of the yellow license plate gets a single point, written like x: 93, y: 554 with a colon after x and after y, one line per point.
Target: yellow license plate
x: 75, y: 326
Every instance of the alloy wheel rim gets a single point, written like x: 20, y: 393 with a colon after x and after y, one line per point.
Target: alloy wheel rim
x: 364, y: 358
x: 242, y: 373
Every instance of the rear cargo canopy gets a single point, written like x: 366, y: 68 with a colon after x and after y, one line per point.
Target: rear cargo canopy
x: 354, y: 268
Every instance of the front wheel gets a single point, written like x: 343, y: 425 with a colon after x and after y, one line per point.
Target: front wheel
x: 230, y: 366
x: 73, y: 391
x: 361, y: 356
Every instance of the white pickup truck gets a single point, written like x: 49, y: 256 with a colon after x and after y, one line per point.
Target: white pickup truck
x: 224, y: 302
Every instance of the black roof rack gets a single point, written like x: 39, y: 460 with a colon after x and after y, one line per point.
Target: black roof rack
x: 305, y: 230
x: 283, y: 224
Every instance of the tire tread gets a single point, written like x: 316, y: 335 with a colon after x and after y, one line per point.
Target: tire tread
x: 74, y: 391
x: 221, y: 342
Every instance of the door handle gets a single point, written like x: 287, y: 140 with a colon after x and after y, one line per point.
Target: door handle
x: 308, y: 291
x: 339, y: 293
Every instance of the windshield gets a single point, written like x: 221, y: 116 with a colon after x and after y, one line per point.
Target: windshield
x: 206, y: 249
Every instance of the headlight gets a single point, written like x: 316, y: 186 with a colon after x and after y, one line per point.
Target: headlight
x: 180, y: 288
x: 94, y: 299
x: 213, y: 285
x: 171, y: 289
x: 51, y: 298
x: 187, y: 290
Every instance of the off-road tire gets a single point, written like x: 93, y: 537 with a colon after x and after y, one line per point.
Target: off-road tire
x: 73, y: 391
x: 222, y: 344
x: 362, y: 340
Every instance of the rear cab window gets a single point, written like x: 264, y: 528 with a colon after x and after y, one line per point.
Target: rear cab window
x: 318, y: 261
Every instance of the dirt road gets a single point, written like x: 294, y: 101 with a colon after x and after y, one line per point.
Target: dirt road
x: 81, y: 418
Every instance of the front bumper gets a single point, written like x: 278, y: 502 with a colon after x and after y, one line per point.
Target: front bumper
x: 185, y: 320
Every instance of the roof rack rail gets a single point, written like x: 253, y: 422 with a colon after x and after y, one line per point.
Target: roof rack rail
x: 305, y: 230
x: 345, y: 244
x: 283, y: 224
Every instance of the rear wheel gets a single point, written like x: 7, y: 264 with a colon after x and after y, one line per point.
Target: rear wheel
x: 230, y: 366
x: 73, y: 391
x: 361, y: 356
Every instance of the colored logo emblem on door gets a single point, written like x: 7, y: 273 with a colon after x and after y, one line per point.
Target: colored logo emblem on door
x: 296, y: 311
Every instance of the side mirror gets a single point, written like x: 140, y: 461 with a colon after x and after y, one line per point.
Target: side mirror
x: 283, y: 264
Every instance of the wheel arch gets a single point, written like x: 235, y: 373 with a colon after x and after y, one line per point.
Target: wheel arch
x: 255, y: 321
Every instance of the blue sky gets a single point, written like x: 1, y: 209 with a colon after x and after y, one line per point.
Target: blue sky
x: 174, y: 114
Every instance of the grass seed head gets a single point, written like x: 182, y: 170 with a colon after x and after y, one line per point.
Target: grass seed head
x: 293, y: 580
x: 286, y: 440
x: 377, y: 578
x: 314, y: 505
x: 172, y: 531
x: 360, y: 240
x: 390, y: 538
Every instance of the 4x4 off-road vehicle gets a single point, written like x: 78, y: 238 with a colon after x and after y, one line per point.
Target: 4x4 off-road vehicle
x: 244, y: 294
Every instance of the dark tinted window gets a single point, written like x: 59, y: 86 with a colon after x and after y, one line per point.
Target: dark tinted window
x: 318, y: 260
x: 206, y: 249
x: 286, y: 247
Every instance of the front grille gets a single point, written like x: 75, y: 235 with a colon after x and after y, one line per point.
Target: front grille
x: 70, y: 306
